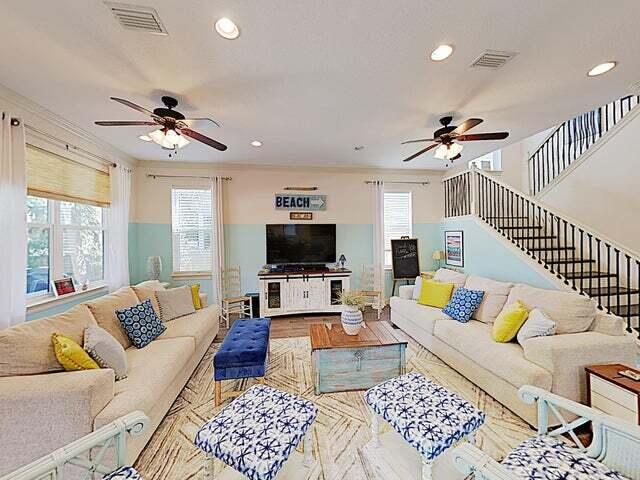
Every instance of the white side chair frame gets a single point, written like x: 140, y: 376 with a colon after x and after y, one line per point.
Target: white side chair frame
x: 373, y: 298
x: 233, y: 302
x: 615, y: 443
x: 79, y: 453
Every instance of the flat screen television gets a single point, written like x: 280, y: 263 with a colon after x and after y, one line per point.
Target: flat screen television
x: 301, y: 243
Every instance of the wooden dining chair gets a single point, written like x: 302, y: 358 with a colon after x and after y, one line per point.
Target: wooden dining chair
x: 233, y: 302
x: 373, y: 298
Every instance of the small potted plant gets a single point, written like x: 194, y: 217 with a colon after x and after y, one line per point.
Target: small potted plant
x: 351, y: 317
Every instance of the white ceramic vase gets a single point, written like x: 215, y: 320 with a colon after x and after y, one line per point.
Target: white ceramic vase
x: 351, y: 319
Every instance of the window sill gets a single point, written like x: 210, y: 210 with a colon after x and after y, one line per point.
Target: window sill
x: 191, y: 274
x: 47, y: 301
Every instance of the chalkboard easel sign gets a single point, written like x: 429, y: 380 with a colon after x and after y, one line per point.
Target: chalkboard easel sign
x: 405, y: 261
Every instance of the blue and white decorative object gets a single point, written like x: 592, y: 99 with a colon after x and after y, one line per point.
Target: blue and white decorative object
x: 463, y: 303
x: 351, y: 318
x: 154, y: 267
x: 124, y: 473
x: 141, y: 323
x: 538, y: 324
x: 256, y: 433
x: 428, y: 416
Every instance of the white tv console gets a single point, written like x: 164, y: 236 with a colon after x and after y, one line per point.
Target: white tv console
x: 286, y: 293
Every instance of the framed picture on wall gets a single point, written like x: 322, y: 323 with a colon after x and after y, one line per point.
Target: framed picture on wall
x: 454, y: 248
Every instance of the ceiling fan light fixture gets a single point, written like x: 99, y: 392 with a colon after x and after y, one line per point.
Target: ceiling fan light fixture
x: 447, y: 152
x: 602, y: 68
x: 226, y: 28
x: 169, y: 139
x: 454, y: 150
x: 442, y: 52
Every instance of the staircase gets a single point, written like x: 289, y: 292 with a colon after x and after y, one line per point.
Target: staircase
x: 583, y: 259
x: 572, y: 139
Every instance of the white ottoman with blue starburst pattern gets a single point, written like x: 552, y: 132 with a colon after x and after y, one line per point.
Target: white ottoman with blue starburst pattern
x: 124, y: 473
x: 256, y: 433
x: 428, y: 416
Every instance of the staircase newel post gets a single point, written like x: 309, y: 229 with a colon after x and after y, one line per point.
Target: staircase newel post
x: 473, y: 175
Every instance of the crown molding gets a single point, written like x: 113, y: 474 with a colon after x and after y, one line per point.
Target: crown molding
x: 33, y: 109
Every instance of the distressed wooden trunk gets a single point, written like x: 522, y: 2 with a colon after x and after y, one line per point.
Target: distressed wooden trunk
x: 358, y: 368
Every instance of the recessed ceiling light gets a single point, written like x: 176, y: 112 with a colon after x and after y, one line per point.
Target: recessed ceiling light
x: 227, y: 29
x: 441, y: 52
x: 256, y: 143
x: 145, y: 138
x: 602, y: 68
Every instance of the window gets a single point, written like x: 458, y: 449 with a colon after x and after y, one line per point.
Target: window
x: 397, y: 220
x: 64, y: 239
x: 490, y: 162
x: 191, y: 230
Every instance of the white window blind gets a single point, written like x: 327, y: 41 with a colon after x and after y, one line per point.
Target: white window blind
x: 397, y: 220
x: 191, y: 230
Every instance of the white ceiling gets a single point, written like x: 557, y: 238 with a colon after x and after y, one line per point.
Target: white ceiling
x: 314, y: 78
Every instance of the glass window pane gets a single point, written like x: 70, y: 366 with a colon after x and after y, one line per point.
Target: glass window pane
x: 80, y: 214
x: 37, y: 260
x: 37, y: 210
x: 82, y: 254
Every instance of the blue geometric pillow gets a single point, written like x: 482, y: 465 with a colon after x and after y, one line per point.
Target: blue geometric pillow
x: 141, y: 323
x: 463, y: 304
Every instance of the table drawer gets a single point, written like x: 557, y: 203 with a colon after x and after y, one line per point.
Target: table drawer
x: 605, y: 405
x: 614, y: 393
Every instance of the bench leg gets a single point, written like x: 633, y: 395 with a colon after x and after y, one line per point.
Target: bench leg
x: 375, y: 441
x: 218, y: 392
x: 426, y: 470
x: 209, y: 467
x: 306, y: 446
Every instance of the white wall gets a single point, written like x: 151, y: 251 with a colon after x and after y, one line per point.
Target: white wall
x: 601, y: 190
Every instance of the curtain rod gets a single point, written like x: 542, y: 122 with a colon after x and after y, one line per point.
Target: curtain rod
x: 153, y: 175
x: 69, y: 147
x: 370, y: 182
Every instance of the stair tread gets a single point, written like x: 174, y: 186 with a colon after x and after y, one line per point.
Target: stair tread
x: 535, y: 237
x: 570, y: 260
x: 519, y: 227
x: 519, y: 218
x: 606, y: 291
x: 588, y: 274
x: 549, y: 249
x: 626, y: 310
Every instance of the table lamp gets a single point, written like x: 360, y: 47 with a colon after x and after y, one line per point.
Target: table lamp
x: 438, y: 256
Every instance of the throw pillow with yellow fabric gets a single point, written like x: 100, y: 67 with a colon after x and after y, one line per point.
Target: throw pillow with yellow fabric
x: 71, y: 355
x: 509, y: 321
x: 195, y: 295
x: 435, y: 294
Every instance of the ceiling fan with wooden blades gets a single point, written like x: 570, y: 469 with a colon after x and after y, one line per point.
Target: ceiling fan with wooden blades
x: 445, y: 139
x: 172, y: 125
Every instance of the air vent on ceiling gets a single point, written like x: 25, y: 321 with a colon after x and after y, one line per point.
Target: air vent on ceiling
x: 140, y: 19
x: 493, y: 59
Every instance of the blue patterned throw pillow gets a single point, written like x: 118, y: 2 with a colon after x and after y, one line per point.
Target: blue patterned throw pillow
x: 141, y: 323
x: 463, y: 303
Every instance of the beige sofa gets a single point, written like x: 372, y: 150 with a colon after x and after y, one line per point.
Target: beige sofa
x: 585, y: 336
x: 43, y: 408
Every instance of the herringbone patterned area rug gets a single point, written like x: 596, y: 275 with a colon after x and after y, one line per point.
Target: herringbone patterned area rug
x: 339, y: 433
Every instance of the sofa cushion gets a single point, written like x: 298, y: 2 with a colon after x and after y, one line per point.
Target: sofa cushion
x: 463, y: 303
x: 423, y: 316
x: 104, y: 311
x: 506, y: 360
x: 510, y: 320
x: 71, y: 355
x: 538, y: 324
x: 147, y: 291
x: 608, y: 324
x: 417, y: 287
x: 495, y: 296
x: 152, y: 370
x: 435, y: 294
x: 175, y: 302
x: 197, y: 325
x: 26, y: 349
x: 573, y: 313
x: 445, y: 275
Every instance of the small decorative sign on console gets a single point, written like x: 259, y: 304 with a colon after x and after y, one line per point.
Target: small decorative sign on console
x: 288, y: 201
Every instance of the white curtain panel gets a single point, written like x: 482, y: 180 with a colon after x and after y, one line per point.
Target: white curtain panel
x: 217, y: 239
x: 13, y: 223
x: 378, y: 235
x: 117, y: 261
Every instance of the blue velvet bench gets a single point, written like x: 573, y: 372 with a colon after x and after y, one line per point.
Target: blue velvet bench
x: 243, y: 354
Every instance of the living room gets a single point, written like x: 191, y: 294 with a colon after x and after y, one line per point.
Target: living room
x: 322, y: 240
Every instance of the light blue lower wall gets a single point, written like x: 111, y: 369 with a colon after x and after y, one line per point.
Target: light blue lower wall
x: 64, y: 306
x: 486, y: 256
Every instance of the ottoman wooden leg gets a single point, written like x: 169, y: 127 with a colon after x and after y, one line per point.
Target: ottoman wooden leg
x: 306, y: 445
x: 218, y: 392
x: 471, y: 438
x: 209, y: 467
x: 375, y: 441
x: 426, y: 470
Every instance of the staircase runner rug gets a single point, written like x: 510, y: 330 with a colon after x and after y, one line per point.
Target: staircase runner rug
x: 341, y: 431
